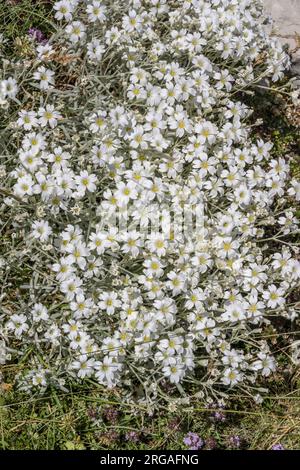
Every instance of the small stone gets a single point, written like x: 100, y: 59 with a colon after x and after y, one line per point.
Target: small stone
x: 286, y: 26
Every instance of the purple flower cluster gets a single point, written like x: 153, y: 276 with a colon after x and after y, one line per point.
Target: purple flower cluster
x: 217, y: 415
x: 37, y: 35
x: 234, y: 442
x: 210, y: 443
x: 111, y: 414
x: 277, y: 447
x: 132, y: 436
x: 92, y: 413
x: 193, y: 441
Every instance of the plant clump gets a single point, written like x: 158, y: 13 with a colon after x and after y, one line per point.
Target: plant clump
x: 130, y: 117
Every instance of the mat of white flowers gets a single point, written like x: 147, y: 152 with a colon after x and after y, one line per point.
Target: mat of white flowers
x: 128, y: 119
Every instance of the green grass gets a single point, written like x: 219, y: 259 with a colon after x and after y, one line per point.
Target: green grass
x: 80, y: 418
x: 17, y: 17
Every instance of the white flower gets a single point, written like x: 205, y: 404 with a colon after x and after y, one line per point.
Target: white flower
x: 206, y: 132
x: 106, y: 371
x: 265, y: 364
x: 17, y: 324
x: 274, y: 296
x: 98, y: 121
x: 72, y: 328
x: 174, y: 371
x: 48, y: 115
x: 207, y: 330
x: 82, y: 307
x: 64, y: 10
x: 180, y: 122
x: 71, y: 287
x: 76, y: 31
x: 96, y: 11
x: 157, y: 244
x: 44, y: 51
x: 95, y: 50
x: 153, y: 267
x: 132, y: 243
x: 59, y: 158
x: 39, y: 378
x: 294, y: 190
x: 138, y: 138
x: 224, y: 79
x: 166, y: 310
x: 10, y: 87
x: 227, y: 247
x: 176, y: 282
x: 86, y: 182
x: 231, y: 377
x: 34, y: 142
x: 202, y: 261
x: 132, y: 21
x: 109, y: 302
x: 64, y: 269
x: 125, y: 192
x: 255, y: 307
x: 45, y: 77
x: 83, y: 366
x: 27, y: 119
x: 234, y: 313
x: 195, y: 299
x: 41, y: 230
x: 39, y: 312
x: 242, y: 195
x: 24, y: 186
x: 78, y: 254
x: 154, y: 120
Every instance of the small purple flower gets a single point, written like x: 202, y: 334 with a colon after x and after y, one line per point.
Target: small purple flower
x: 193, y: 441
x: 92, y: 413
x: 111, y: 414
x: 277, y: 447
x: 132, y: 436
x: 210, y: 443
x: 219, y: 416
x: 36, y: 34
x: 234, y: 441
